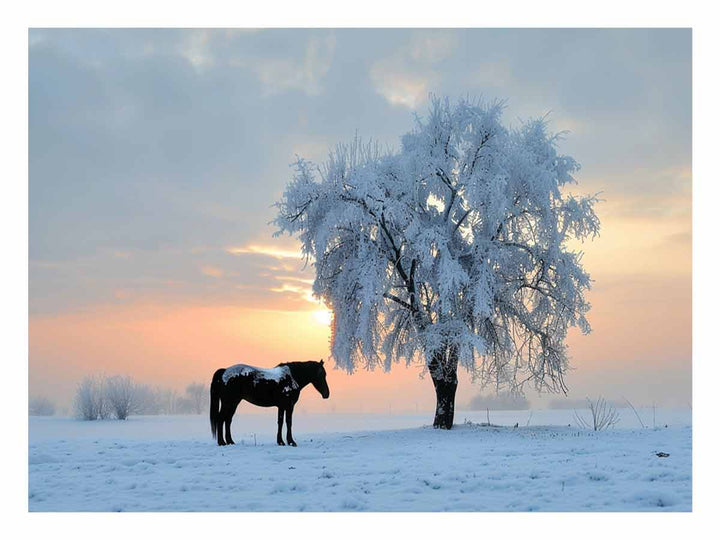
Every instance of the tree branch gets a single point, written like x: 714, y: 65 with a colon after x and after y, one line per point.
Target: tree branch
x: 453, y: 191
x: 398, y: 300
x: 459, y: 223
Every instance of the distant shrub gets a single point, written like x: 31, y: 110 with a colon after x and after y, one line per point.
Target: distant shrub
x: 119, y: 396
x: 40, y: 406
x: 90, y: 402
x: 122, y: 396
x: 503, y: 401
x: 603, y: 415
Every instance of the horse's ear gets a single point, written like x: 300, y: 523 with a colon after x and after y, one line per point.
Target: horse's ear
x: 322, y: 361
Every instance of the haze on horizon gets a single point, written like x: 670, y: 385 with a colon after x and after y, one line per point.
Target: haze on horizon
x: 155, y: 157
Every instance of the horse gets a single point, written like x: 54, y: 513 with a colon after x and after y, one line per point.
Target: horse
x: 275, y: 387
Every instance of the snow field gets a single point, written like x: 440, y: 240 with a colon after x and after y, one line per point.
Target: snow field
x: 169, y: 464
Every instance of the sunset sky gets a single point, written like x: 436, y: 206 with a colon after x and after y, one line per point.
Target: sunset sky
x: 155, y: 158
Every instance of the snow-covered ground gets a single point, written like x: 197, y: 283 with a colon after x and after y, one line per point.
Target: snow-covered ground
x: 363, y: 463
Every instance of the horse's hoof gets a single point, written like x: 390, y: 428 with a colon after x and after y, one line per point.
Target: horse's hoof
x: 292, y: 443
x: 231, y: 442
x: 281, y: 443
x: 221, y: 443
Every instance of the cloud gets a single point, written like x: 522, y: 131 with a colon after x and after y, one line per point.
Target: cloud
x: 212, y: 271
x: 398, y: 86
x: 491, y: 74
x: 314, y: 149
x: 195, y: 48
x: 407, y: 76
x: 122, y: 294
x: 306, y: 281
x: 682, y: 239
x: 303, y: 292
x: 650, y: 194
x: 432, y: 46
x: 269, y: 251
x: 280, y: 74
x: 145, y: 144
x: 257, y: 278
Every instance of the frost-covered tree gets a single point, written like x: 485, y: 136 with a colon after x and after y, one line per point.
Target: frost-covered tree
x: 90, y: 401
x: 123, y: 396
x: 452, y: 250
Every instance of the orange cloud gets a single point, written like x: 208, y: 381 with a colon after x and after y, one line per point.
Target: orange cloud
x: 304, y: 292
x: 212, y: 271
x: 270, y: 251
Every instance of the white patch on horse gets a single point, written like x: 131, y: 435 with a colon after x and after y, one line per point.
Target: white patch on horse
x: 271, y: 374
x: 234, y: 371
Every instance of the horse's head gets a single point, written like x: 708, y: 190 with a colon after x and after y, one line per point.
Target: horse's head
x: 319, y: 380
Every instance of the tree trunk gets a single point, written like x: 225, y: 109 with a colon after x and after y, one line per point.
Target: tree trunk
x: 445, y: 406
x: 443, y: 371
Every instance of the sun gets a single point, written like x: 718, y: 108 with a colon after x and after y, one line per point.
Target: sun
x: 323, y: 316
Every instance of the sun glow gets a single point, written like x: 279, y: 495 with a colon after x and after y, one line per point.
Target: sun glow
x: 323, y: 316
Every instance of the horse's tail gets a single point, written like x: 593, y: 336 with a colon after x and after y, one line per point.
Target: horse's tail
x: 215, y: 386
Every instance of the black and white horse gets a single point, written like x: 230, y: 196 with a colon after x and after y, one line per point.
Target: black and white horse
x: 275, y: 387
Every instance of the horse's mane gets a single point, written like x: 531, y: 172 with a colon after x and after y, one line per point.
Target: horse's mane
x: 298, y: 363
x: 302, y: 371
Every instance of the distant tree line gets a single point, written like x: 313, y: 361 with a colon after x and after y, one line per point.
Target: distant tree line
x: 503, y: 401
x: 40, y: 406
x: 99, y: 397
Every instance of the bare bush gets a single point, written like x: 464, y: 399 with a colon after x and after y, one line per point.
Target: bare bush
x: 90, y: 402
x: 602, y: 415
x: 122, y: 395
x: 40, y: 406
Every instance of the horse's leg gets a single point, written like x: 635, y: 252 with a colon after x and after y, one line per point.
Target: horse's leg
x: 281, y: 411
x: 228, y: 421
x: 221, y: 423
x: 288, y: 418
